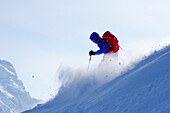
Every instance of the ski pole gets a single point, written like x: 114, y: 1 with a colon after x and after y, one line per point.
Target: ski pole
x: 121, y: 48
x: 89, y: 63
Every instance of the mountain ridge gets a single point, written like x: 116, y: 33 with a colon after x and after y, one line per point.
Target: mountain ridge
x: 13, y: 97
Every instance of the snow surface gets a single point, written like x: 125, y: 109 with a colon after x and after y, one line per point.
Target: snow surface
x: 13, y: 97
x: 145, y: 88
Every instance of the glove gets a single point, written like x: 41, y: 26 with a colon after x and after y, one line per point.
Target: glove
x: 91, y: 53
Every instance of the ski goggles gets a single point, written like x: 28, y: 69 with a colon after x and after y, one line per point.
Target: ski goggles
x: 92, y: 40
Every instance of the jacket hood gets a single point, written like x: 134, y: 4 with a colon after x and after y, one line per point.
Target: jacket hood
x: 95, y: 37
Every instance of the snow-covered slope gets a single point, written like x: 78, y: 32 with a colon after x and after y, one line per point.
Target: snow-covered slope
x: 13, y: 97
x: 143, y: 89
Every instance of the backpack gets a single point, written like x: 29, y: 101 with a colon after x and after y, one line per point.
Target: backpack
x: 111, y: 40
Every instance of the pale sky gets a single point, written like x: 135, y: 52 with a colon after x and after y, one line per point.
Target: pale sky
x: 36, y: 36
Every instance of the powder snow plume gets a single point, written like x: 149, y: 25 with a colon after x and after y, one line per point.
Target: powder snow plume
x: 137, y: 84
x: 82, y: 80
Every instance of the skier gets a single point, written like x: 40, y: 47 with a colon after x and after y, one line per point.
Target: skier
x: 108, y: 45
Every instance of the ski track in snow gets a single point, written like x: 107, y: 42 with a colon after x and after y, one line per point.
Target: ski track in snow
x: 146, y: 65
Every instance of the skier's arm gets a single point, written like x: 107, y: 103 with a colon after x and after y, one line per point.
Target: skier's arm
x: 102, y: 49
x: 99, y: 52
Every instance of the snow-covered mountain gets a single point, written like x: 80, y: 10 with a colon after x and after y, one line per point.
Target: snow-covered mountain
x: 143, y: 89
x: 13, y: 97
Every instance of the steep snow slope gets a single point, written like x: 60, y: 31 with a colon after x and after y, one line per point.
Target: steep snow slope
x: 13, y: 97
x: 144, y: 89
